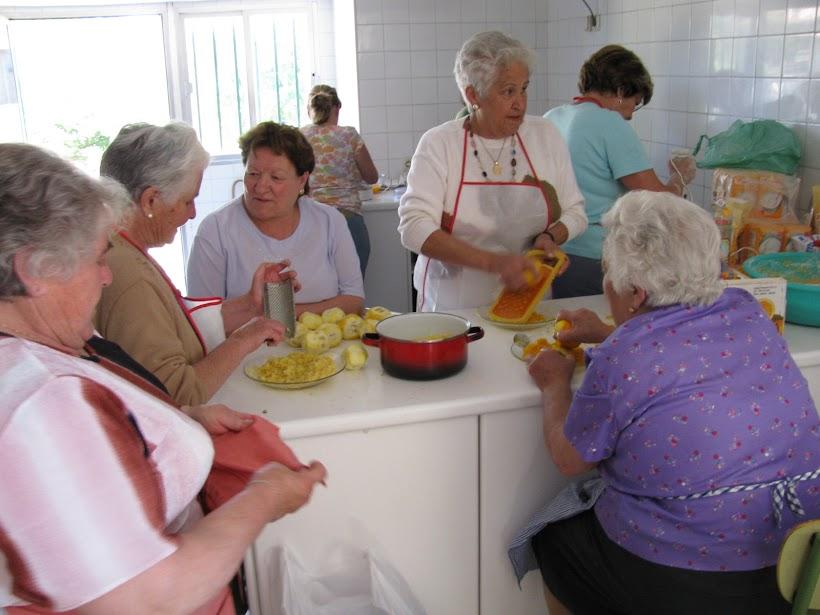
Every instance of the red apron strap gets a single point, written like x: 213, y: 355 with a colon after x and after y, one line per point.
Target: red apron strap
x: 537, y: 180
x: 177, y: 295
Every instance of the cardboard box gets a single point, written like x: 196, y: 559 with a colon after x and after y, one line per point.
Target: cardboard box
x: 770, y: 293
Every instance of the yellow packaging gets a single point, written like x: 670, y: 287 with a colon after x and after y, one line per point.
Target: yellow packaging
x: 770, y: 293
x: 772, y: 195
x: 759, y: 237
x: 815, y: 209
x: 730, y: 219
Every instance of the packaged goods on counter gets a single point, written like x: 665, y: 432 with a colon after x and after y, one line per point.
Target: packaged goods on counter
x: 760, y: 237
x: 730, y: 219
x: 769, y: 292
x: 772, y: 195
x: 804, y: 243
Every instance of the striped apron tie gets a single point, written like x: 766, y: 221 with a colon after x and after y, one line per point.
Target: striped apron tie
x: 783, y: 490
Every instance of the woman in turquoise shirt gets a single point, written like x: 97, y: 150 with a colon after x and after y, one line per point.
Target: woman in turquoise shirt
x: 606, y: 154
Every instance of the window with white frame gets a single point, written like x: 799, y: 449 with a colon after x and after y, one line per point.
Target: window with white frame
x: 220, y: 67
x: 244, y: 68
x: 104, y: 72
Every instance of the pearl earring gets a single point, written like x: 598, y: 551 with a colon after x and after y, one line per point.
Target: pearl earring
x: 620, y: 101
x: 475, y: 107
x: 150, y: 215
x: 632, y: 310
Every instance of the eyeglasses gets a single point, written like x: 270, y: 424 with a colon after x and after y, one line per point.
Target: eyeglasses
x: 640, y: 105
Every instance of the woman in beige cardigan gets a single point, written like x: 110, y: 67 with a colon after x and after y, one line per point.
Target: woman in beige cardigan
x: 161, y: 167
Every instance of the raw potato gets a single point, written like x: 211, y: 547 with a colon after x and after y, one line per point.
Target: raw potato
x: 298, y: 335
x: 316, y: 342
x: 355, y: 356
x: 370, y: 325
x: 310, y: 320
x: 377, y: 313
x: 352, y: 327
x: 333, y: 332
x: 333, y: 315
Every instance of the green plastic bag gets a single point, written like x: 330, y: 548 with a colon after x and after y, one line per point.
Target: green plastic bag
x: 765, y: 145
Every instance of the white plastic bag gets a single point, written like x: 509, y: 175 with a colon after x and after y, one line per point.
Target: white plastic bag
x: 352, y: 582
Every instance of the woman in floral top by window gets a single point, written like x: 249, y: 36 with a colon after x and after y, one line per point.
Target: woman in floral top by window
x: 343, y: 164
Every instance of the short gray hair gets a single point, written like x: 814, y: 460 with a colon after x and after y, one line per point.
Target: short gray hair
x: 483, y: 55
x: 165, y: 157
x: 52, y: 210
x: 665, y: 245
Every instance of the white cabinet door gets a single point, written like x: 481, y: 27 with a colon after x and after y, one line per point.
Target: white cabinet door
x: 411, y: 492
x: 388, y: 279
x: 517, y: 477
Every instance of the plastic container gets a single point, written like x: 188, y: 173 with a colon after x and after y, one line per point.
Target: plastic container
x: 802, y: 273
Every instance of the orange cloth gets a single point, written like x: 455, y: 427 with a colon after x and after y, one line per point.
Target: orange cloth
x: 238, y: 454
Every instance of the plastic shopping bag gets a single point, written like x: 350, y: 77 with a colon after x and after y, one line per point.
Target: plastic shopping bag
x: 352, y: 582
x: 764, y: 145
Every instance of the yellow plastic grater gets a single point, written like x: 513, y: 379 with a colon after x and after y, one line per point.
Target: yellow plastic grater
x: 516, y: 307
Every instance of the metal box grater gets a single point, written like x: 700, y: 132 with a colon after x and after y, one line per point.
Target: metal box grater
x: 277, y: 302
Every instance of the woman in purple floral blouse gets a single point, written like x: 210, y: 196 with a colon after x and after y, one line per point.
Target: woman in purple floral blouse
x: 699, y: 422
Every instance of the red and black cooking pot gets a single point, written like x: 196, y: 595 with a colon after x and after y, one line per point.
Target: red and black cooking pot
x: 423, y: 345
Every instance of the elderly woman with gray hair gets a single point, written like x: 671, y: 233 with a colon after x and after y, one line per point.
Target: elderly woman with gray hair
x: 699, y: 422
x: 161, y: 167
x: 484, y: 189
x: 101, y: 474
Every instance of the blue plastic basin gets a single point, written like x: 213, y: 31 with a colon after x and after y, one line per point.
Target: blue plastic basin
x: 802, y: 300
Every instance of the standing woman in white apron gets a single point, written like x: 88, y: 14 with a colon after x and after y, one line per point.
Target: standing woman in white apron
x: 483, y: 190
x: 181, y: 340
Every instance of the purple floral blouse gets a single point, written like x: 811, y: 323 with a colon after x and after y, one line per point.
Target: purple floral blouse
x: 679, y: 401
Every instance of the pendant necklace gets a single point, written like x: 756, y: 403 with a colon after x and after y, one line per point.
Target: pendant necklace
x: 496, y: 164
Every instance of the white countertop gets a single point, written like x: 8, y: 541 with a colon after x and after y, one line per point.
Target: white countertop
x: 387, y: 199
x: 492, y: 381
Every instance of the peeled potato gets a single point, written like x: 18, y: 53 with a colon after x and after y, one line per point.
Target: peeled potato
x: 316, y: 342
x: 298, y: 335
x: 333, y: 315
x: 310, y: 320
x: 377, y: 313
x: 333, y: 332
x: 370, y: 325
x: 355, y: 356
x: 352, y: 326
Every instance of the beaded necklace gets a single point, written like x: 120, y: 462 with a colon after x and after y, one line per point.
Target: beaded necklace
x: 496, y: 163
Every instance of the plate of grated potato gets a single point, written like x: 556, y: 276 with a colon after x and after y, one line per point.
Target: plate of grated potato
x: 296, y: 370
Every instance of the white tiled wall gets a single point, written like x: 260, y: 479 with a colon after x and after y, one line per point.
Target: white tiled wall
x: 406, y: 51
x: 712, y: 62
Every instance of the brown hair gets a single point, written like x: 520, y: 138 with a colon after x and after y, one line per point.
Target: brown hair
x: 615, y: 70
x: 282, y: 140
x: 321, y: 100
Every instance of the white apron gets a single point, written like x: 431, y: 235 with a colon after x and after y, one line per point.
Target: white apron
x: 502, y: 216
x: 204, y: 314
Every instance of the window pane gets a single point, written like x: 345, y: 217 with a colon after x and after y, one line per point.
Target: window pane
x: 216, y: 69
x: 282, y: 54
x: 11, y: 120
x: 103, y: 72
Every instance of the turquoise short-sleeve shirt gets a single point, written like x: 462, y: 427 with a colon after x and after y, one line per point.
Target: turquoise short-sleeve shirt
x: 603, y: 148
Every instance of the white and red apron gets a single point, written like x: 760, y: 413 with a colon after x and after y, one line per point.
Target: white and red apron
x: 501, y: 216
